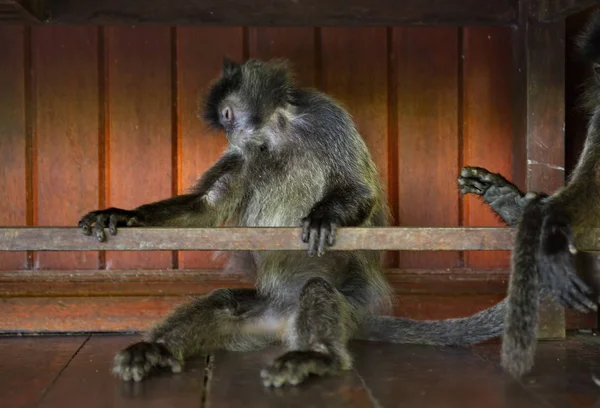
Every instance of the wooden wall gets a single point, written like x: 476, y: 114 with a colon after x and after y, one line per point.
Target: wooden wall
x: 94, y: 117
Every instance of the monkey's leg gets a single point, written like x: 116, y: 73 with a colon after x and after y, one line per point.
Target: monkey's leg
x: 317, y: 339
x: 503, y: 197
x: 223, y: 319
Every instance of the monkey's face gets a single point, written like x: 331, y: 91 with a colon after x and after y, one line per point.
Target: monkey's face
x: 242, y: 125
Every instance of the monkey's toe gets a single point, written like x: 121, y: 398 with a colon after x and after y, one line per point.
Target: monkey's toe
x: 294, y: 367
x: 139, y: 360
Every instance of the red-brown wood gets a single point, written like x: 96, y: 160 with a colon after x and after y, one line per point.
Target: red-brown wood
x: 296, y: 44
x: 200, y: 52
x: 13, y: 139
x: 65, y: 83
x: 426, y: 72
x: 139, y: 96
x: 88, y: 381
x: 29, y: 367
x: 486, y: 111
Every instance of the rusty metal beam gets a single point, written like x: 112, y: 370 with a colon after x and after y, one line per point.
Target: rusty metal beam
x: 255, y: 239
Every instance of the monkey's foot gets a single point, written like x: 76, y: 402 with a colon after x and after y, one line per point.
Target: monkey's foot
x: 140, y: 359
x: 317, y: 231
x: 477, y: 180
x: 295, y: 366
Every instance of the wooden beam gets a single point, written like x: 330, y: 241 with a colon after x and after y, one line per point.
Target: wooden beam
x: 285, y: 12
x: 539, y: 119
x: 255, y: 239
x: 21, y: 11
x: 554, y: 10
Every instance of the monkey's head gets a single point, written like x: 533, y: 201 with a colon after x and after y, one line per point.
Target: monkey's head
x: 248, y: 101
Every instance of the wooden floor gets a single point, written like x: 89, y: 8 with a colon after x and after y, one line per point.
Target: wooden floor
x: 74, y: 371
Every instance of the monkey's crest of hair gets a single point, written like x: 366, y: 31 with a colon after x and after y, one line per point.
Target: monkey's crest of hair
x: 264, y: 86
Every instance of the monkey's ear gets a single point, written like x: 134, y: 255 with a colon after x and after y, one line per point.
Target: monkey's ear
x: 229, y: 66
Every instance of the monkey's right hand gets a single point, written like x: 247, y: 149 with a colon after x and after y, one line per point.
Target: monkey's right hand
x: 557, y: 266
x: 111, y: 218
x: 137, y: 361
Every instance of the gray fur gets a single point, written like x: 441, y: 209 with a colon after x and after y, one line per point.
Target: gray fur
x: 295, y: 159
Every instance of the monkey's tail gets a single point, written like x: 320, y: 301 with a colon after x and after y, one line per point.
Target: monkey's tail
x: 520, y: 326
x: 460, y: 331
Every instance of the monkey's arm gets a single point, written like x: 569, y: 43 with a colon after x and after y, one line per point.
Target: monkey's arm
x: 198, y: 208
x: 342, y: 206
x: 503, y: 197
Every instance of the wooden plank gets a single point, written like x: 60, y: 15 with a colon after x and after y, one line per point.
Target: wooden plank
x: 455, y: 282
x: 13, y: 142
x: 426, y: 376
x: 140, y: 128
x: 255, y: 239
x: 426, y: 72
x: 29, y: 366
x: 198, y: 147
x: 88, y: 381
x: 241, y: 372
x: 22, y: 11
x: 305, y: 13
x: 486, y: 118
x: 553, y: 10
x: 67, y: 133
x: 538, y: 124
x: 296, y: 44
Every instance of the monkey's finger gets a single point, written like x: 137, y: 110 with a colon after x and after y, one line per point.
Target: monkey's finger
x: 99, y: 227
x: 112, y: 224
x: 332, y: 234
x: 312, y: 241
x: 323, y: 236
x: 305, y: 229
x: 571, y: 301
x: 578, y: 282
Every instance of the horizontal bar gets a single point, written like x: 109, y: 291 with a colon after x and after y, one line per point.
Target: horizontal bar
x: 284, y: 12
x: 255, y: 239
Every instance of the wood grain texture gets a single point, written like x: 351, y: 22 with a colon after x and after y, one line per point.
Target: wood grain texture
x: 140, y: 129
x: 426, y: 72
x: 13, y: 171
x: 487, y: 129
x: 241, y: 372
x: 296, y: 44
x: 66, y: 94
x: 29, y: 366
x: 200, y: 52
x: 88, y: 381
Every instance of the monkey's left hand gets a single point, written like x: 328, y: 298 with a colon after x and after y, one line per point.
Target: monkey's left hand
x: 317, y: 230
x: 557, y: 267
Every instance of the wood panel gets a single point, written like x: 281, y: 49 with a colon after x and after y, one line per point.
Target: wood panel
x: 13, y: 137
x: 139, y: 98
x: 33, y: 366
x: 199, y: 147
x: 88, y: 381
x: 426, y: 72
x: 486, y: 109
x: 67, y: 133
x: 296, y: 44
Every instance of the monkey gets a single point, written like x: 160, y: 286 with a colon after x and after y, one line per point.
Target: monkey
x: 294, y: 159
x: 543, y: 260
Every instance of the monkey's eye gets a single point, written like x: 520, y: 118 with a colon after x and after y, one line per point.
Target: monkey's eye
x: 227, y: 114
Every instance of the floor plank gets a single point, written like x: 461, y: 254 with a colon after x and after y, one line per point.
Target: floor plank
x: 562, y: 374
x: 423, y: 376
x: 87, y: 381
x: 29, y: 366
x: 235, y: 382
